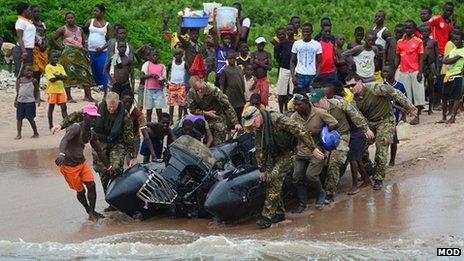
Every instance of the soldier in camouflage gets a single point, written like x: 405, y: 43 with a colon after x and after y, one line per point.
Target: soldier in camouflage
x: 343, y: 112
x: 276, y: 139
x: 374, y: 102
x: 205, y: 99
x: 115, y: 134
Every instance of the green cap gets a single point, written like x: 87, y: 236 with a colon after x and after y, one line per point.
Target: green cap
x: 317, y: 95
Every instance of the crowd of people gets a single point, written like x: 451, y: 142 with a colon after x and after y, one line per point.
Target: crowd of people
x: 362, y: 92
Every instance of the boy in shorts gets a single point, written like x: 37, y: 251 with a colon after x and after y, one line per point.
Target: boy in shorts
x: 176, y: 85
x: 388, y: 74
x: 452, y: 91
x: 154, y: 74
x: 120, y: 70
x: 27, y: 95
x: 262, y: 61
x: 72, y: 163
x: 55, y: 74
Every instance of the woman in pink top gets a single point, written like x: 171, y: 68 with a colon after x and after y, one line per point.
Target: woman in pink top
x: 154, y: 74
x: 75, y: 59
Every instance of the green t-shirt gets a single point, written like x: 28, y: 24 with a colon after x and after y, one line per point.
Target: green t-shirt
x: 456, y: 68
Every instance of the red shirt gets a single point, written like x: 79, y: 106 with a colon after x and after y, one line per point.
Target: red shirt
x: 328, y: 57
x: 441, y: 31
x: 409, y: 51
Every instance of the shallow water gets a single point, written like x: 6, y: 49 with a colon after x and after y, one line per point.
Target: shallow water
x: 407, y: 220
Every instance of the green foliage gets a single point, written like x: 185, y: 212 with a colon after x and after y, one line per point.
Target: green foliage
x: 143, y: 18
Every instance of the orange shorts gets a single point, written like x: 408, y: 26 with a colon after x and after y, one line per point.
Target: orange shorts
x: 177, y: 94
x: 57, y: 98
x: 77, y: 175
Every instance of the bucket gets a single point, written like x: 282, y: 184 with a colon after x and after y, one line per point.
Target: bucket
x: 403, y: 131
x: 226, y: 19
x: 194, y: 21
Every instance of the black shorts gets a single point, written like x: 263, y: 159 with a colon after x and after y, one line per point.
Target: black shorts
x: 453, y: 90
x: 119, y: 88
x: 357, y: 147
x: 25, y: 110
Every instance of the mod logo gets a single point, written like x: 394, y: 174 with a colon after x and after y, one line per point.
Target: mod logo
x: 448, y: 251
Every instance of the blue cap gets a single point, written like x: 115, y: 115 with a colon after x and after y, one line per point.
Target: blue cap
x: 329, y: 139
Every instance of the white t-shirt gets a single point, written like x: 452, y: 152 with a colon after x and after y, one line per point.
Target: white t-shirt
x: 28, y: 29
x: 306, y: 55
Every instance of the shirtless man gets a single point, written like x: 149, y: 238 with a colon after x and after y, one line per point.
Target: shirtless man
x: 157, y: 131
x: 73, y: 165
x: 120, y: 70
x: 430, y: 64
x: 262, y: 63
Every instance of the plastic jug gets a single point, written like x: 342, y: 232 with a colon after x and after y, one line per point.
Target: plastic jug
x: 226, y: 19
x: 403, y: 131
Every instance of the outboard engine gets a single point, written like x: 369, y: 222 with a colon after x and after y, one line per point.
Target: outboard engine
x: 183, y: 180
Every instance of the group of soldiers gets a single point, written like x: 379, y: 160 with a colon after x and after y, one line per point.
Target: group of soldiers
x: 281, y: 139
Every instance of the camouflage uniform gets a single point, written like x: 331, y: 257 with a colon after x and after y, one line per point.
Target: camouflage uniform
x: 344, y: 112
x: 115, y: 152
x: 213, y: 99
x: 374, y: 103
x: 277, y: 164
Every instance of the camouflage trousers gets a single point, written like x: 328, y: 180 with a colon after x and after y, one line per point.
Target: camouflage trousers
x: 116, y: 154
x: 276, y: 173
x: 218, y: 129
x: 337, y: 159
x: 383, y: 132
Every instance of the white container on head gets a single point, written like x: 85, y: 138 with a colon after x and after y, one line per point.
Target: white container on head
x: 226, y: 19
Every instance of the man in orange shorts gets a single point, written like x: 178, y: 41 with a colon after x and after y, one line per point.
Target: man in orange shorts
x: 72, y: 163
x: 55, y: 74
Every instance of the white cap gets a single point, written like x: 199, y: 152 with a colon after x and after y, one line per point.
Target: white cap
x: 260, y: 40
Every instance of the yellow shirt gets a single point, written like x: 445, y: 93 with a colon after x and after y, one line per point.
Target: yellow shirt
x: 50, y: 73
x: 448, y: 48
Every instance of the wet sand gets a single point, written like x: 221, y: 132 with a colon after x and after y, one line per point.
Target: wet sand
x: 41, y: 208
x: 422, y: 199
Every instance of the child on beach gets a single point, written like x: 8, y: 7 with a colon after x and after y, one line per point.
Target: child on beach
x: 232, y: 84
x: 120, y: 70
x: 262, y: 60
x: 176, y: 85
x: 282, y: 54
x: 388, y: 74
x: 56, y: 75
x: 244, y: 56
x: 157, y: 131
x: 250, y: 81
x: 154, y: 74
x: 27, y: 96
